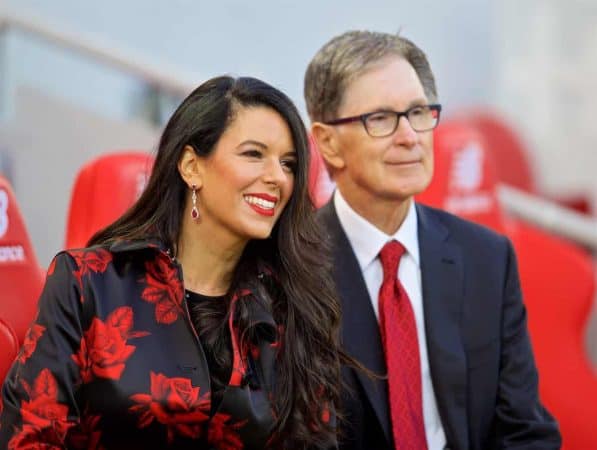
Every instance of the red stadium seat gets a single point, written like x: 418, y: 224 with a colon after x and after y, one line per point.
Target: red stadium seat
x: 9, y: 344
x: 558, y: 285
x: 21, y: 279
x: 513, y: 161
x: 463, y: 180
x: 557, y: 279
x: 104, y: 189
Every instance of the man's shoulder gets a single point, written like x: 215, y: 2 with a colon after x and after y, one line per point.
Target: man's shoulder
x: 459, y: 228
x: 326, y: 210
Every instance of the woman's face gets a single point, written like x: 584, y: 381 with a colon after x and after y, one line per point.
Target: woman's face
x: 249, y: 176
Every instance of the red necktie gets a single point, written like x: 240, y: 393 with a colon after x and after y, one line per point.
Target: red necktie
x: 401, y: 347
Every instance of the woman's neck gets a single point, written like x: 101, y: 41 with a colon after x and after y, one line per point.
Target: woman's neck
x: 208, y: 264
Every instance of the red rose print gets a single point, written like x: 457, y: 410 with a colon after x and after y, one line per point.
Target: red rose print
x: 42, y: 409
x: 325, y: 414
x: 44, y: 419
x: 30, y: 342
x: 254, y: 350
x: 103, y: 351
x: 277, y: 344
x: 164, y: 289
x: 222, y: 435
x: 86, y: 435
x: 32, y: 438
x: 96, y: 260
x: 175, y: 403
x: 122, y: 318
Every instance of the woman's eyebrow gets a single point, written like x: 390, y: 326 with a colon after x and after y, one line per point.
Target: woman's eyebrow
x: 253, y: 142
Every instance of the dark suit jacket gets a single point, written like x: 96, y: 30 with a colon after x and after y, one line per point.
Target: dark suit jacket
x: 482, y: 366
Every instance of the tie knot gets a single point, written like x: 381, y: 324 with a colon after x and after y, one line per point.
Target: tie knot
x: 390, y: 256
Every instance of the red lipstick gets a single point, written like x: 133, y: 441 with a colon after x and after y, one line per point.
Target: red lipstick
x: 259, y: 208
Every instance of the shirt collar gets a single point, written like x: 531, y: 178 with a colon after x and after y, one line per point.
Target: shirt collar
x: 368, y: 240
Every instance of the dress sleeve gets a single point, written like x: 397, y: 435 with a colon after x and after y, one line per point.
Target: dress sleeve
x: 523, y: 422
x: 38, y: 396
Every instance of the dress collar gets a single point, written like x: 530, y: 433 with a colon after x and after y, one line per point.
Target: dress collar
x: 123, y: 245
x: 259, y: 310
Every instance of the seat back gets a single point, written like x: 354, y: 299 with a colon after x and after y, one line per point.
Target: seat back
x: 464, y: 177
x: 512, y: 159
x: 104, y: 189
x: 21, y: 279
x: 557, y: 280
x: 9, y: 344
x: 558, y: 284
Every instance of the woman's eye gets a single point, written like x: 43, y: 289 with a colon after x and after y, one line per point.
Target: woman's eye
x: 252, y: 153
x: 289, y: 165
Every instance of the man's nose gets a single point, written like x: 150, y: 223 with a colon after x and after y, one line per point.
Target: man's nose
x: 405, y: 135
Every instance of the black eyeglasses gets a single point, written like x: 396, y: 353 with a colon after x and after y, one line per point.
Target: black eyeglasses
x: 384, y: 123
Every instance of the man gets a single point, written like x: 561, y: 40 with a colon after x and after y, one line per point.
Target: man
x: 428, y: 298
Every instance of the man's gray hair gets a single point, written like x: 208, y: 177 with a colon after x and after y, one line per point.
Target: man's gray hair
x: 348, y: 56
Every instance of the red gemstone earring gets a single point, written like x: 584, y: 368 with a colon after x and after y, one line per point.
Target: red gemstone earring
x: 194, y: 211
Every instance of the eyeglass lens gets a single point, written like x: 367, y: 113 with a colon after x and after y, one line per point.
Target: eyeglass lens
x: 383, y: 123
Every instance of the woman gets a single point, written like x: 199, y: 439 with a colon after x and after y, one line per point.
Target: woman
x: 201, y: 318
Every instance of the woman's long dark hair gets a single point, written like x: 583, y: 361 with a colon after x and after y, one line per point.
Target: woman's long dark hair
x: 308, y: 366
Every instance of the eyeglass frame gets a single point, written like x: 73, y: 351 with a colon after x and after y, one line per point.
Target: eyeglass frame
x: 363, y: 118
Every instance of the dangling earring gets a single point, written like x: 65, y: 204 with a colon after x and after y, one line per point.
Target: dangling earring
x: 194, y: 211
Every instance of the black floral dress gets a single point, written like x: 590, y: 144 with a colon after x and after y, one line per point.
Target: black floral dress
x: 112, y: 361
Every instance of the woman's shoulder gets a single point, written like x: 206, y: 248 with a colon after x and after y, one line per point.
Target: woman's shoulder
x: 96, y: 259
x: 108, y: 251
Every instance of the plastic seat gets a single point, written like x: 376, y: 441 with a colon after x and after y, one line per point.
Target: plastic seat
x: 103, y: 190
x: 557, y: 279
x: 463, y: 179
x: 21, y: 279
x: 513, y: 161
x: 9, y: 344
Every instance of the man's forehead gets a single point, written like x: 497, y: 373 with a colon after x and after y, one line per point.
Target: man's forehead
x: 393, y: 84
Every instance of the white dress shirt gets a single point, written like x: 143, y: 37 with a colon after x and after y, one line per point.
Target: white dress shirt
x: 367, y: 241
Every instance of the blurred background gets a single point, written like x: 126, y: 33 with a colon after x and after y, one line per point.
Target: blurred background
x: 79, y: 80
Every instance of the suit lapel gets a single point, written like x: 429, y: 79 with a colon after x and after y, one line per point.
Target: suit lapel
x: 358, y: 314
x: 443, y: 291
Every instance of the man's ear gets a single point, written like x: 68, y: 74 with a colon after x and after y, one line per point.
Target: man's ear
x: 328, y: 145
x: 191, y: 167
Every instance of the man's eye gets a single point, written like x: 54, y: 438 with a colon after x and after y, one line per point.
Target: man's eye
x: 418, y: 111
x: 378, y: 117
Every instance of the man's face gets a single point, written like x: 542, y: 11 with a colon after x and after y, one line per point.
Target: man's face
x: 391, y: 168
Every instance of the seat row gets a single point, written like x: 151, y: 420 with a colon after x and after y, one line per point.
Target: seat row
x: 471, y: 159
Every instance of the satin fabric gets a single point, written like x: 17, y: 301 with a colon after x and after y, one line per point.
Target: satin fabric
x: 112, y: 361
